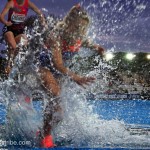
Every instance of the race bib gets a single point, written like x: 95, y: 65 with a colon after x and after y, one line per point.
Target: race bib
x: 18, y: 18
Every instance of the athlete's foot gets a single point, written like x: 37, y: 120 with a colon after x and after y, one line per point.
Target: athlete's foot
x: 47, y: 142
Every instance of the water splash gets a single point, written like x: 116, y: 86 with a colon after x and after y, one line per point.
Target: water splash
x: 118, y: 23
x: 80, y: 125
x: 87, y: 129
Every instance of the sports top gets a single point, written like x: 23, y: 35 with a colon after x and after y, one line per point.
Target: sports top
x: 17, y: 14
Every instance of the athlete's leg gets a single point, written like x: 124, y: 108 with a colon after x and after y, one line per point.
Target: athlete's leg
x: 53, y: 105
x: 10, y: 39
x: 49, y: 81
x: 53, y: 110
x: 12, y: 43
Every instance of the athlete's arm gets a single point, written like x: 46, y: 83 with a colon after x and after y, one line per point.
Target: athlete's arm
x: 58, y: 63
x: 89, y: 44
x: 37, y: 10
x: 4, y: 12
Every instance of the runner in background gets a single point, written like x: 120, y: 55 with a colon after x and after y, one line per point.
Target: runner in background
x: 13, y: 30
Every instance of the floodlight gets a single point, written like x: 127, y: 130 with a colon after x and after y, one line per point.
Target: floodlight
x: 109, y: 56
x: 130, y: 56
x: 148, y: 56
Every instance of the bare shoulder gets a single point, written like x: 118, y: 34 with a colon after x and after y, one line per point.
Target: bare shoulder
x: 10, y: 4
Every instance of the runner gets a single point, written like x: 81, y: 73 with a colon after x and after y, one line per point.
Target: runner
x: 62, y: 43
x: 13, y: 30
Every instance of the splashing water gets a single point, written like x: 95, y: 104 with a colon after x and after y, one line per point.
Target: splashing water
x: 117, y: 24
x: 81, y: 127
x: 87, y: 129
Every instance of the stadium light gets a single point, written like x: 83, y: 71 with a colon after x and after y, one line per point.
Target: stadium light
x: 109, y: 56
x: 148, y: 56
x: 130, y: 56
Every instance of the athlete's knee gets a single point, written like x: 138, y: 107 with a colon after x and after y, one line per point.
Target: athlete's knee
x: 10, y: 40
x: 56, y: 91
x: 12, y: 46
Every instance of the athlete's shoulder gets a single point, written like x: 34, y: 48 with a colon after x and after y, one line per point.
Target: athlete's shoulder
x: 10, y: 3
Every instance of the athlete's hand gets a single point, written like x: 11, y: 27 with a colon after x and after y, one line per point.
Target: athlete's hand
x: 84, y: 80
x: 8, y: 23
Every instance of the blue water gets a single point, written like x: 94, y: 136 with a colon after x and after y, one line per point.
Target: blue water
x: 130, y: 111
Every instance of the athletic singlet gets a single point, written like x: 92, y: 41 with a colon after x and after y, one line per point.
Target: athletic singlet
x: 17, y: 14
x: 68, y: 51
x: 71, y: 48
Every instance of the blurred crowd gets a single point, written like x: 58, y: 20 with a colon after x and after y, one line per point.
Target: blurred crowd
x: 117, y: 81
x: 128, y: 82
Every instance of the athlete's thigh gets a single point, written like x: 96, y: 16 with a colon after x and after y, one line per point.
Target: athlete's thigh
x: 49, y: 81
x: 21, y: 38
x: 10, y: 39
